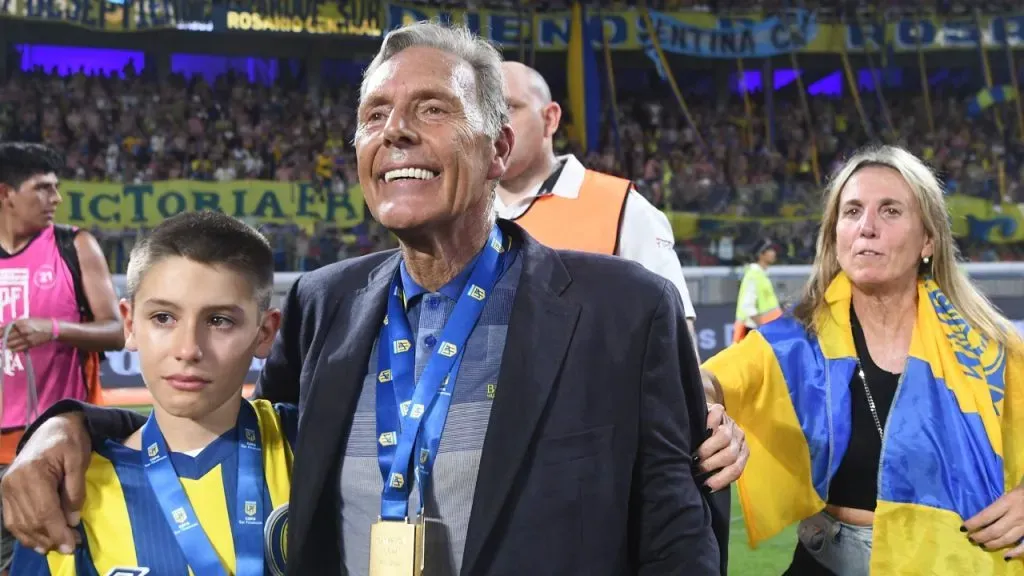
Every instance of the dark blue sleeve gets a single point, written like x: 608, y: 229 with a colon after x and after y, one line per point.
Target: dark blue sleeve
x: 102, y: 423
x: 671, y: 521
x: 289, y: 414
x: 28, y: 562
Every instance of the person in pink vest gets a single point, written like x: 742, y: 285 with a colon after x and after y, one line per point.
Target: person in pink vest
x: 58, y: 307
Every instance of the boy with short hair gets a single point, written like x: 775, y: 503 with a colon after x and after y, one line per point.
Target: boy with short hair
x: 193, y: 490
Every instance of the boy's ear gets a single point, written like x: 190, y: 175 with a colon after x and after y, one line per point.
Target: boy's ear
x: 129, y: 326
x: 268, y: 331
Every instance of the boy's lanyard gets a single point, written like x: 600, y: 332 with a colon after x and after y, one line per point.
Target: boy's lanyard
x: 247, y: 530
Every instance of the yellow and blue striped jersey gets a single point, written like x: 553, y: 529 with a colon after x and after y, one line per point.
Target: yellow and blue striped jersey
x: 125, y: 532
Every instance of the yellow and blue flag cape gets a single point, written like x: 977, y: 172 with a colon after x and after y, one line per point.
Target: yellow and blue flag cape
x: 954, y: 440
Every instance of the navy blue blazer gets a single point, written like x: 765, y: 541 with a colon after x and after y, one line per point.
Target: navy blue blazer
x: 586, y: 465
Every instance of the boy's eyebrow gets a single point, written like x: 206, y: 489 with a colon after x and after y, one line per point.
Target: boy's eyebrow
x: 161, y: 303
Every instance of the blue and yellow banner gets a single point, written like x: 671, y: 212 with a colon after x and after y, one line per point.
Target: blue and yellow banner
x: 694, y: 33
x: 987, y: 97
x: 118, y: 207
x: 970, y: 216
x: 731, y: 39
x: 706, y: 35
x: 350, y: 18
x: 689, y: 225
x: 981, y: 220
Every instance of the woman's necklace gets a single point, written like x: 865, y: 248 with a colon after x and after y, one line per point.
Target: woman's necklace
x: 871, y: 399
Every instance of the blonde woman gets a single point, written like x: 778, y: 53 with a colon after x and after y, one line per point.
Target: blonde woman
x: 885, y: 413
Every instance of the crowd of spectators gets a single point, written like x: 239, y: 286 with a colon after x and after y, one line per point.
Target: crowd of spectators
x: 826, y: 9
x: 746, y: 188
x: 125, y: 128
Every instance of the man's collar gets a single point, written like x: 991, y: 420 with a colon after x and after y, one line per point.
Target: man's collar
x: 570, y: 172
x: 548, y: 185
x: 571, y: 178
x: 453, y: 289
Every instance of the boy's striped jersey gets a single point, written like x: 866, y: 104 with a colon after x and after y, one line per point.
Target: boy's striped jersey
x: 125, y: 532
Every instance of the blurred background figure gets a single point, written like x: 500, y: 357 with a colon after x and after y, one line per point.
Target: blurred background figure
x: 756, y: 303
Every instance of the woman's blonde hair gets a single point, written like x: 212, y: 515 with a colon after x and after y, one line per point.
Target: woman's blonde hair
x: 972, y: 305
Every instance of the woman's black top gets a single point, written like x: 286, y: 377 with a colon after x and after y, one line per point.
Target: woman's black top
x: 855, y: 484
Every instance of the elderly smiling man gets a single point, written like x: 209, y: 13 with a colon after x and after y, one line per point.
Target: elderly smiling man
x: 570, y: 413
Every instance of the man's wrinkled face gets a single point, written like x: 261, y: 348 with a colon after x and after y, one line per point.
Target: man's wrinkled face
x: 423, y: 154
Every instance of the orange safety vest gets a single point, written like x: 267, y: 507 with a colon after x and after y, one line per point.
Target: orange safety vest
x: 588, y: 223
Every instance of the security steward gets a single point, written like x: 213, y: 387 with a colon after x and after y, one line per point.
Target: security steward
x: 756, y: 303
x: 566, y: 206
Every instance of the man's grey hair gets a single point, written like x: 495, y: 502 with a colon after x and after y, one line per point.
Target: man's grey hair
x: 458, y: 40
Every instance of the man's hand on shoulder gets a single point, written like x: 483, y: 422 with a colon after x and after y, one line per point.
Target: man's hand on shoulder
x: 44, y: 488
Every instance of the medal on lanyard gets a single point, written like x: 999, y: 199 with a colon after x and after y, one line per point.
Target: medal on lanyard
x: 411, y: 414
x: 247, y: 530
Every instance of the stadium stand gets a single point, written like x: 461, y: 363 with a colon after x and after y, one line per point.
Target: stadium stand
x: 129, y: 129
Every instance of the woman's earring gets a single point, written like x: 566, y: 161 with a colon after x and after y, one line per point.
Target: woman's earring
x: 927, y: 260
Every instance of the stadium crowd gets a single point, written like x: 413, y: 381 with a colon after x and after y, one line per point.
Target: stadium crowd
x: 825, y: 8
x: 126, y: 128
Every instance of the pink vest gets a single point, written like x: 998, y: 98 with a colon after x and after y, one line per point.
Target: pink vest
x: 36, y: 283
